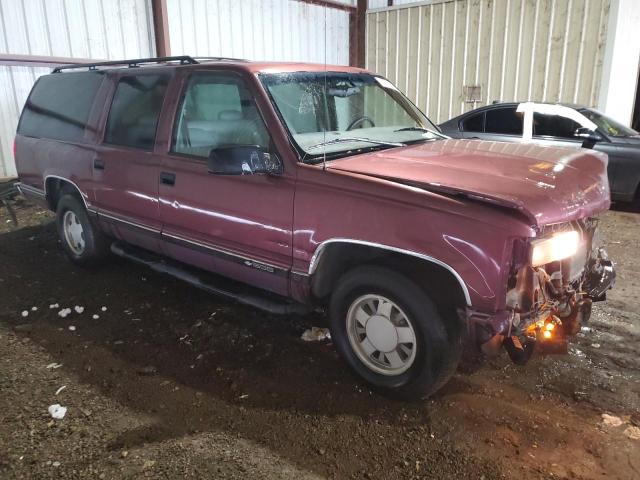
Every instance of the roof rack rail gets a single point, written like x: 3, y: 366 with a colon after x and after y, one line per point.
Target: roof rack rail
x: 226, y: 59
x: 183, y: 59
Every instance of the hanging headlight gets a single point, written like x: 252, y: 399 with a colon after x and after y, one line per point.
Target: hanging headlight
x: 552, y: 249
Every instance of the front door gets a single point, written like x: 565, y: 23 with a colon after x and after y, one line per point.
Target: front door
x: 559, y: 131
x: 236, y: 225
x: 125, y: 169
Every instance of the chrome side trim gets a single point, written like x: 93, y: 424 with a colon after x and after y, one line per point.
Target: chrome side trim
x: 101, y: 213
x: 82, y: 194
x: 29, y: 190
x: 317, y: 254
x: 246, y: 260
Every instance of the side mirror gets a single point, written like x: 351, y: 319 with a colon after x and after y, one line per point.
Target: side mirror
x: 243, y: 160
x: 588, y: 135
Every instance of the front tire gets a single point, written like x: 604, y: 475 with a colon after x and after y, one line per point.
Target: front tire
x: 391, y: 334
x: 83, y: 243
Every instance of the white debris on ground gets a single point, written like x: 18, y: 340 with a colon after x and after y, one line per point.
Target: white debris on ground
x: 611, y: 420
x: 25, y: 313
x: 632, y: 432
x: 316, y: 334
x: 78, y: 309
x: 54, y: 305
x: 64, y: 312
x: 95, y: 316
x: 53, y: 366
x: 57, y: 411
x: 72, y: 328
x: 104, y: 309
x: 34, y: 309
x: 60, y: 389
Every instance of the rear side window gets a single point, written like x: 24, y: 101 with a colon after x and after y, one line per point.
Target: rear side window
x: 503, y: 120
x: 474, y: 123
x: 554, y: 126
x: 135, y: 110
x: 59, y: 106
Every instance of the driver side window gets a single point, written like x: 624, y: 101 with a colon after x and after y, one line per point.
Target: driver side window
x: 554, y: 126
x: 217, y: 111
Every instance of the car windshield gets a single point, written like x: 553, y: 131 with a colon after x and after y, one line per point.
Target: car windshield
x: 339, y: 113
x: 608, y: 125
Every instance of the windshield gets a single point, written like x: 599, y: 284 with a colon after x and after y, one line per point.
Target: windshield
x: 337, y: 113
x: 608, y: 125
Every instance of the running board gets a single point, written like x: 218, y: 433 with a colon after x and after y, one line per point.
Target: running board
x: 210, y: 282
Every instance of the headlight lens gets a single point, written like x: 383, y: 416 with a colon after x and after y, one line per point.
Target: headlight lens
x: 557, y: 247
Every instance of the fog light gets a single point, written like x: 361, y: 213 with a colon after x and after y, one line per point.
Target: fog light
x: 544, y: 329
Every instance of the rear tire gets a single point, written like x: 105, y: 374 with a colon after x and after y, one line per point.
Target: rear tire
x: 391, y: 334
x: 82, y: 241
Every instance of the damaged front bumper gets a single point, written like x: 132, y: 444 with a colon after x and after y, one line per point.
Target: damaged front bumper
x: 545, y: 306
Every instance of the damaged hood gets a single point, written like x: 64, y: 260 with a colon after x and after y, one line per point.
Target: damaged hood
x: 547, y: 184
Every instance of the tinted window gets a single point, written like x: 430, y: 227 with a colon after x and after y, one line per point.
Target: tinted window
x: 59, y: 106
x: 503, y: 120
x: 135, y: 110
x: 554, y: 126
x: 608, y: 125
x: 217, y: 110
x: 473, y: 123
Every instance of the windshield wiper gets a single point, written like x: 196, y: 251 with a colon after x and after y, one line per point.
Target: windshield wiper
x: 355, y: 139
x: 420, y: 129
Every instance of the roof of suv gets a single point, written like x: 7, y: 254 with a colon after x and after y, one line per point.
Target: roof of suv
x: 187, y: 61
x: 509, y: 104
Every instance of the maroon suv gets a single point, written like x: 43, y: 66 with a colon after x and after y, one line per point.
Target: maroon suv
x: 296, y: 186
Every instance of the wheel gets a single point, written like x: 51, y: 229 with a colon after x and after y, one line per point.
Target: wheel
x: 83, y: 243
x: 390, y: 333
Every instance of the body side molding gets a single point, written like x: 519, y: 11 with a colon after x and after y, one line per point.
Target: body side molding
x: 320, y: 248
x: 82, y: 194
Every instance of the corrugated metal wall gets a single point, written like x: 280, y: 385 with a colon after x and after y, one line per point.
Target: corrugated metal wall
x: 540, y: 50
x: 98, y: 29
x: 259, y: 30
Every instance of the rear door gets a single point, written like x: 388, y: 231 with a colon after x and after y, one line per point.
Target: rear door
x: 503, y: 124
x: 236, y: 225
x: 125, y: 169
x: 472, y: 126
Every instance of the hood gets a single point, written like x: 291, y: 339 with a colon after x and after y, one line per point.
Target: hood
x: 633, y: 140
x: 547, y: 184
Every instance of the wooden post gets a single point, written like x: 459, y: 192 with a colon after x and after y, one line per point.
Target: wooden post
x: 357, y: 33
x: 161, y: 27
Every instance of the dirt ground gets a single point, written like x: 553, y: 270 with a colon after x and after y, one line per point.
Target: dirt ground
x: 170, y: 382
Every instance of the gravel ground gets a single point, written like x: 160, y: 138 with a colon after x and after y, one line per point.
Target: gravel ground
x: 169, y: 382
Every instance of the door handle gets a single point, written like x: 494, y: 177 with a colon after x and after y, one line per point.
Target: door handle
x: 168, y: 178
x: 98, y: 163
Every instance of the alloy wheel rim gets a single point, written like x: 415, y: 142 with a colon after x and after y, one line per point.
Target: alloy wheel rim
x: 381, y: 335
x: 73, y: 232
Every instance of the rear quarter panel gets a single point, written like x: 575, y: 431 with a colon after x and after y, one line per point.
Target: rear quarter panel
x: 39, y: 158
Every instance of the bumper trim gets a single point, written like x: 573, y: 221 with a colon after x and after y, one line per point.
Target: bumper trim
x: 601, y: 277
